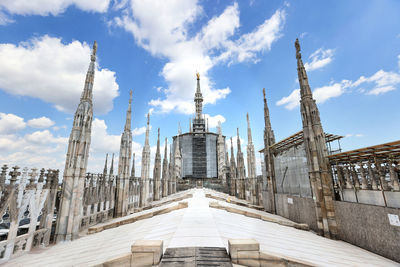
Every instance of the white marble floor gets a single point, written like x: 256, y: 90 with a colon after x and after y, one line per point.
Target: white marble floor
x: 199, y: 225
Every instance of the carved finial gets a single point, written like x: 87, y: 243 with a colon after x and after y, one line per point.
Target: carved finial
x: 14, y: 174
x: 148, y: 118
x: 112, y: 165
x: 130, y: 97
x: 33, y: 175
x: 94, y: 47
x: 198, y: 75
x: 41, y: 176
x: 105, y: 165
x: 3, y: 175
x: 94, y: 50
x: 297, y: 45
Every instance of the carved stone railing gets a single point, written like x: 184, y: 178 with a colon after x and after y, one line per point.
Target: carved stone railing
x: 29, y: 202
x: 369, y: 181
x: 98, y: 199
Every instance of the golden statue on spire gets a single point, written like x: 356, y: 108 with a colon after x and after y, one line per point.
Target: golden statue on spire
x: 198, y: 75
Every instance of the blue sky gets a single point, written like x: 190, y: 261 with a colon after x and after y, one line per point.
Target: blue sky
x: 351, y: 50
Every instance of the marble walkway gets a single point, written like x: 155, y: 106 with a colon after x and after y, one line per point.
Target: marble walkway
x: 199, y: 225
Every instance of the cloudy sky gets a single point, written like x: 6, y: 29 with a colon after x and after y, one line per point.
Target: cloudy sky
x: 351, y: 50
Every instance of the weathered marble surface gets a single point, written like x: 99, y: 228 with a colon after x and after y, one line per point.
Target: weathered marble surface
x: 199, y: 225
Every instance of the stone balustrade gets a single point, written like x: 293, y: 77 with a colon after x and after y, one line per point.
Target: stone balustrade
x: 27, y: 202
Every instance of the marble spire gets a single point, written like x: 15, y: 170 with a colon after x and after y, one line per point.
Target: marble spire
x: 221, y: 150
x: 145, y: 173
x: 105, y: 166
x: 317, y: 155
x: 69, y: 216
x: 198, y: 99
x: 251, y: 165
x: 112, y: 165
x: 177, y: 162
x: 233, y: 172
x: 87, y: 93
x: 241, y: 173
x: 171, y: 170
x: 157, y: 171
x: 269, y: 140
x: 165, y: 171
x: 125, y: 152
x: 251, y: 155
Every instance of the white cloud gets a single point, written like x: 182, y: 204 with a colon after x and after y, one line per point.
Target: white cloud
x: 319, y: 59
x: 379, y: 83
x: 10, y: 123
x: 213, y: 120
x: 398, y: 57
x: 324, y: 93
x: 303, y: 34
x: 56, y: 128
x: 162, y: 28
x: 4, y: 19
x: 291, y: 101
x: 102, y: 143
x: 247, y: 47
x: 52, y: 7
x: 320, y: 94
x: 382, y: 81
x: 42, y: 122
x: 40, y: 149
x: 44, y: 137
x: 101, y: 140
x: 56, y: 73
x: 139, y: 131
x: 354, y: 135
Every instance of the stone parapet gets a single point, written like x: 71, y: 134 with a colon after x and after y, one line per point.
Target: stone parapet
x: 247, y: 252
x: 143, y: 253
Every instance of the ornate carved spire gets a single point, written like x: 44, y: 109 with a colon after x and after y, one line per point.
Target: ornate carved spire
x: 317, y: 154
x: 303, y: 79
x: 239, y: 147
x: 112, y: 165
x: 269, y: 140
x: 251, y: 156
x: 165, y: 171
x: 129, y: 113
x: 146, y: 142
x: 157, y: 171
x: 124, y: 162
x: 105, y: 165
x: 198, y: 99
x: 145, y: 171
x: 69, y: 215
x: 88, y: 89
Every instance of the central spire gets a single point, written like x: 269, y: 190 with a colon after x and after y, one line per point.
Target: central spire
x: 198, y: 99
